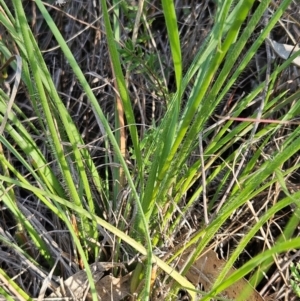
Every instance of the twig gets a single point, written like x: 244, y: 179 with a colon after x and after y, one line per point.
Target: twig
x: 289, y: 122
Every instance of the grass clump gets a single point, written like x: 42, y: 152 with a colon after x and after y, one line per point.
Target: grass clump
x: 148, y: 135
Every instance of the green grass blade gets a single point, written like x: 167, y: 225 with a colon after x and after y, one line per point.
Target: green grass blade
x: 200, y: 89
x: 173, y: 35
x: 43, y: 195
x: 115, y: 60
x: 252, y: 263
x: 99, y: 113
x: 43, y: 174
x: 92, y: 98
x: 49, y: 116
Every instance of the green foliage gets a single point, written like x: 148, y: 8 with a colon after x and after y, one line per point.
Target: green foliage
x: 138, y: 61
x: 161, y: 168
x: 295, y: 278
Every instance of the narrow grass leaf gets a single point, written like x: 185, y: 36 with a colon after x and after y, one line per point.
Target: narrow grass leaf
x: 41, y: 194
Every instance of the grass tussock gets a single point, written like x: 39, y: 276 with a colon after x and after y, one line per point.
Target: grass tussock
x: 151, y: 148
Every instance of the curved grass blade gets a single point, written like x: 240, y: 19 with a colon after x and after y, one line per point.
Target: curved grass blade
x: 44, y: 195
